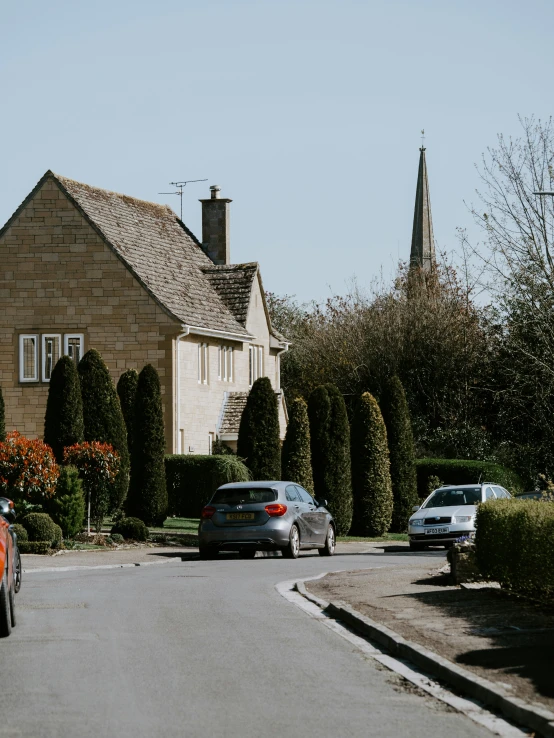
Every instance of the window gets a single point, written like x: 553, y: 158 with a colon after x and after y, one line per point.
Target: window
x: 305, y: 496
x: 203, y: 363
x: 51, y: 352
x: 500, y: 492
x: 292, y: 493
x: 256, y: 363
x: 225, y: 364
x: 73, y: 346
x: 28, y: 358
x: 489, y: 494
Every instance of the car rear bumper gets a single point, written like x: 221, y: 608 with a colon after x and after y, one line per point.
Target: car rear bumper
x: 269, y: 537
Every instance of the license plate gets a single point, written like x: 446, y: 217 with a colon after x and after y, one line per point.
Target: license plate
x: 240, y: 516
x: 435, y: 531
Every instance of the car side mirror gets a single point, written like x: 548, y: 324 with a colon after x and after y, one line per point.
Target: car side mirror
x: 321, y: 503
x: 7, y: 509
x: 415, y: 508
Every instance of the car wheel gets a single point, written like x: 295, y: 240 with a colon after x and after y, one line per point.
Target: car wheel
x: 330, y: 543
x: 5, y: 614
x: 247, y: 553
x: 292, y: 550
x: 17, y: 571
x: 11, y: 597
x: 417, y: 546
x: 207, y: 554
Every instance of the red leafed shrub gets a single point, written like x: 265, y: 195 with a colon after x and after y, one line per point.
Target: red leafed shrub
x: 28, y: 470
x: 98, y: 465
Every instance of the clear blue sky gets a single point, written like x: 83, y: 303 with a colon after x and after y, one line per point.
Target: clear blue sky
x: 306, y: 112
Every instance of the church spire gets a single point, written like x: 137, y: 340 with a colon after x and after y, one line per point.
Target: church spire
x: 422, y: 254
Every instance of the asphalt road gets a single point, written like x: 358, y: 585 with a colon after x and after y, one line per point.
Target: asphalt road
x: 199, y: 649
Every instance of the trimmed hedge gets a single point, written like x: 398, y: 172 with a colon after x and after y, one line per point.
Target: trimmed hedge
x: 131, y: 529
x: 20, y: 532
x: 460, y: 471
x: 515, y: 545
x: 41, y: 527
x: 258, y: 442
x: 34, y: 547
x: 192, y: 480
x: 63, y: 422
x: 296, y: 457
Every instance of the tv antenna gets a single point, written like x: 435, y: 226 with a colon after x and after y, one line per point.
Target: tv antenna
x: 180, y: 186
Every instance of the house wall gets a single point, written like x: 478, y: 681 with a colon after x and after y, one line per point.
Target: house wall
x: 58, y: 276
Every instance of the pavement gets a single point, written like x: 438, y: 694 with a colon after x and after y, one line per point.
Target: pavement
x: 200, y: 648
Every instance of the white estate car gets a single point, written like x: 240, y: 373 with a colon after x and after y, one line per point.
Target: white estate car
x: 449, y: 513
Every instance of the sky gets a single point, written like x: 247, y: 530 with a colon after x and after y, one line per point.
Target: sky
x: 307, y: 113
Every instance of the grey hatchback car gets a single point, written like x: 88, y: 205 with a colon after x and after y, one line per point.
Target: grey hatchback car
x: 265, y: 516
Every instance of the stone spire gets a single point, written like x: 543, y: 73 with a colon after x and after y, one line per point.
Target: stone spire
x: 422, y: 254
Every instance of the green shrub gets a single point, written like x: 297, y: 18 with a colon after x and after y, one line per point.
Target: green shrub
x: 67, y: 507
x: 371, y: 481
x: 127, y: 391
x: 103, y: 418
x: 460, y: 471
x: 41, y: 527
x: 131, y: 529
x: 402, y: 453
x: 258, y: 443
x: 63, y: 422
x: 192, y: 480
x: 296, y: 456
x: 147, y: 497
x: 35, y: 547
x: 221, y: 449
x: 515, y: 545
x: 330, y: 447
x: 117, y: 537
x: 20, y: 532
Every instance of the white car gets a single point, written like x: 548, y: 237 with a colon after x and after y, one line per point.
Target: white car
x: 449, y: 513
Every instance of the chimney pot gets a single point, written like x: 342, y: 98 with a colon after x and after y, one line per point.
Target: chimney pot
x: 215, y: 190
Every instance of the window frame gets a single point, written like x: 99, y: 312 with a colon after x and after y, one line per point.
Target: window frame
x: 203, y: 359
x: 81, y: 337
x: 22, y: 337
x: 43, y: 338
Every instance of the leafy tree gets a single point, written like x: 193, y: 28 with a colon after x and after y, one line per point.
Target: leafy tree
x: 330, y: 447
x: 67, y: 507
x: 258, y: 443
x: 296, y: 457
x: 147, y: 498
x: 2, y: 418
x: 396, y: 415
x: 127, y: 390
x: 28, y: 470
x: 98, y: 465
x: 371, y: 481
x: 103, y: 419
x: 63, y: 422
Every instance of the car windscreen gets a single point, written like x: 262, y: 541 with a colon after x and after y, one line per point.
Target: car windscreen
x: 454, y: 497
x: 243, y: 495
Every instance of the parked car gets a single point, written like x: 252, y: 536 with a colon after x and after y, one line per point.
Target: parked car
x: 265, y: 516
x: 8, y: 567
x: 449, y: 513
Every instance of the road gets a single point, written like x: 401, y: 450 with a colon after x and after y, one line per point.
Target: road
x: 199, y: 649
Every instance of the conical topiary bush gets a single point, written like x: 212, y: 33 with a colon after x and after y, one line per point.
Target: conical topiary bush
x: 296, y: 456
x: 258, y: 443
x: 63, y: 422
x: 127, y: 390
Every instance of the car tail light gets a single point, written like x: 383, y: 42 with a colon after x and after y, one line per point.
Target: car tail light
x: 276, y: 510
x: 208, y: 512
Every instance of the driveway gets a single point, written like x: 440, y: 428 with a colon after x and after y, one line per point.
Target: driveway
x: 192, y: 648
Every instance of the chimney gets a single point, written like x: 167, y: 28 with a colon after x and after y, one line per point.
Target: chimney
x: 215, y: 227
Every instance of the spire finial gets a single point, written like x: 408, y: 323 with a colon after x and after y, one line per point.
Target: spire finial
x: 422, y: 139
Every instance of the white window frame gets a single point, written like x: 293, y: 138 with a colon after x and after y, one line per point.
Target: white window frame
x: 44, y: 337
x: 225, y: 363
x: 229, y: 364
x: 255, y: 363
x: 22, y: 377
x: 81, y: 338
x: 203, y: 358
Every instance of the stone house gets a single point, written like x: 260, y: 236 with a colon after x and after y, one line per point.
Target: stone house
x: 83, y: 267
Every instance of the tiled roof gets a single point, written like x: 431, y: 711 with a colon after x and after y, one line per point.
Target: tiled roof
x: 232, y: 412
x: 160, y: 251
x: 233, y: 284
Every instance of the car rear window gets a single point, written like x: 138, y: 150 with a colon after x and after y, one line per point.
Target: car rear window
x: 240, y: 495
x: 452, y: 497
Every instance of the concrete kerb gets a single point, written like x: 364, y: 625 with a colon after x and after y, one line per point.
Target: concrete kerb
x: 534, y: 717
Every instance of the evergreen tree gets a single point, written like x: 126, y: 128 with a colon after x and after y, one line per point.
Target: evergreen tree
x: 63, y: 421
x: 127, y: 390
x: 296, y: 457
x: 147, y: 498
x: 402, y: 453
x: 103, y: 418
x: 371, y: 481
x: 330, y: 446
x: 258, y: 443
x: 2, y: 418
x: 67, y: 507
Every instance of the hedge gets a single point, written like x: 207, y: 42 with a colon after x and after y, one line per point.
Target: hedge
x: 515, y: 545
x: 40, y: 527
x: 462, y: 471
x: 131, y: 529
x: 20, y: 532
x: 192, y: 480
x: 34, y: 547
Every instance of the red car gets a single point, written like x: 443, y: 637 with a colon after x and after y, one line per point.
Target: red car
x: 10, y: 566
